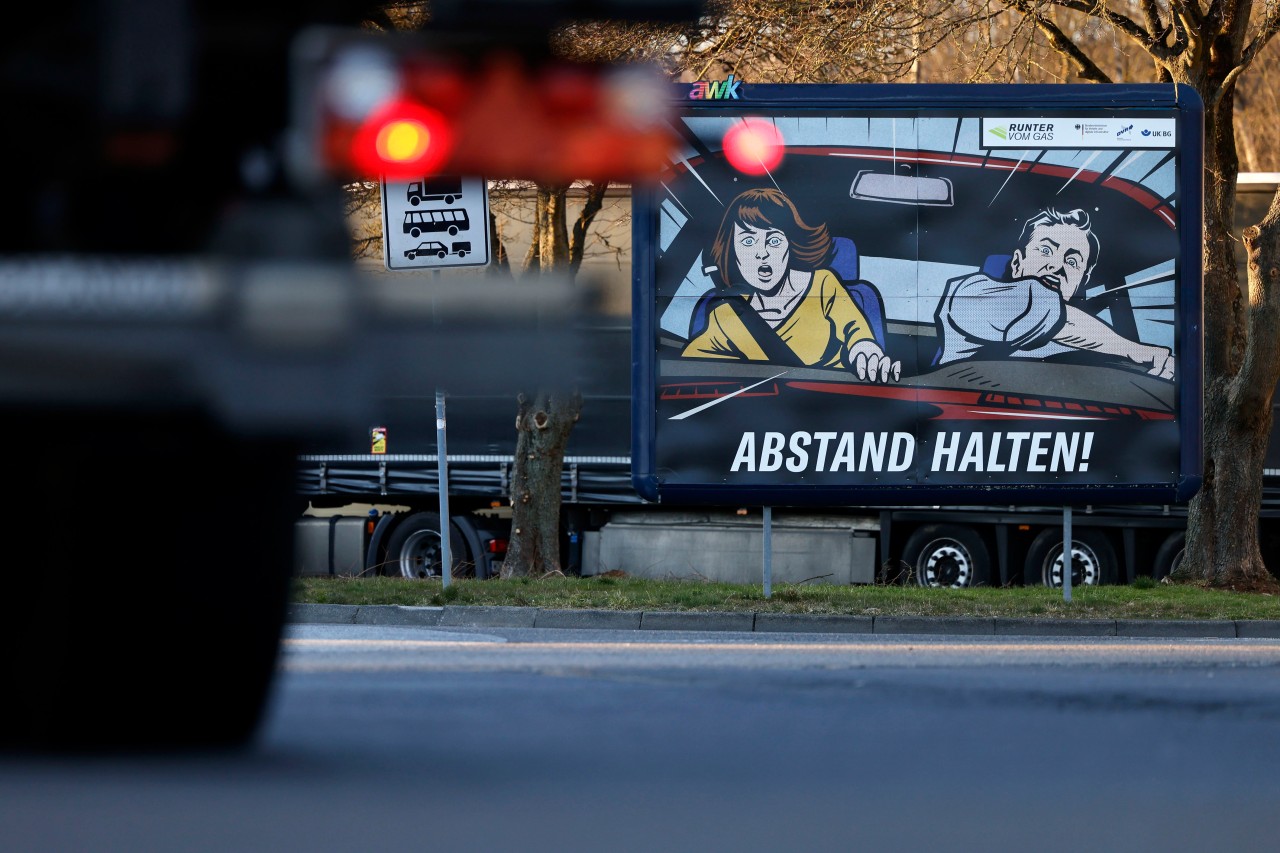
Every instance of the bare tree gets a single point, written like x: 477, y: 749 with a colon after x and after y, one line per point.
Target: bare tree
x: 1209, y: 45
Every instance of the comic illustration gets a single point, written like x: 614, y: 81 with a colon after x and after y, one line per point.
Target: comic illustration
x: 920, y: 298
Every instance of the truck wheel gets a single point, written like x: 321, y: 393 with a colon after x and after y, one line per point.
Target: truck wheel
x: 947, y: 555
x: 414, y: 551
x: 1169, y: 555
x: 1093, y: 559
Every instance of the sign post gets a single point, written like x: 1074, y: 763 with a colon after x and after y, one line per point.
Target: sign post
x: 768, y: 552
x: 1066, y: 553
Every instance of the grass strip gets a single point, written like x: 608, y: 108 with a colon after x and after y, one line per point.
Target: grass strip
x: 1138, y: 601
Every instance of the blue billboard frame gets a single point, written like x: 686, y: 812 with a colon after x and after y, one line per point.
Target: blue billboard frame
x: 656, y: 480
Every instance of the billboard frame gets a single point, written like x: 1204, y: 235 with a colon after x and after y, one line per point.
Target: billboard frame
x: 653, y: 484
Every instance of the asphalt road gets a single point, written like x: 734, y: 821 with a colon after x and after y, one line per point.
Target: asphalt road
x: 530, y: 739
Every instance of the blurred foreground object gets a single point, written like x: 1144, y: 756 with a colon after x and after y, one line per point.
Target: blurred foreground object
x: 178, y: 316
x: 405, y: 106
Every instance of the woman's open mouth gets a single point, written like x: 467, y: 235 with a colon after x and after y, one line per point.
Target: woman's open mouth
x: 765, y: 272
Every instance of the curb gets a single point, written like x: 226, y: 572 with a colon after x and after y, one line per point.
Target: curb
x: 461, y: 616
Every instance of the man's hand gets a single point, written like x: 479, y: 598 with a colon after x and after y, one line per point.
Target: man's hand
x: 869, y: 363
x: 1158, y: 360
x: 1085, y: 331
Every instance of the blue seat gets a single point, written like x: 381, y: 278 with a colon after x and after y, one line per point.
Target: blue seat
x: 844, y: 263
x: 997, y: 266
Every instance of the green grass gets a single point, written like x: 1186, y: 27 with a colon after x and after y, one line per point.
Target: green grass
x: 1139, y: 601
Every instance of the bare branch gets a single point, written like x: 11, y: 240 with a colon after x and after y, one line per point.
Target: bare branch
x: 1059, y: 41
x: 1265, y: 32
x: 1123, y: 24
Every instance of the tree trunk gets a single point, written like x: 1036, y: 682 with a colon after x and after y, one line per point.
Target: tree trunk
x: 578, y: 239
x: 500, y: 264
x: 551, y: 231
x: 543, y: 427
x: 1241, y: 368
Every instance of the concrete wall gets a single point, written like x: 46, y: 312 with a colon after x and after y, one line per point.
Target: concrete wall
x: 725, y: 547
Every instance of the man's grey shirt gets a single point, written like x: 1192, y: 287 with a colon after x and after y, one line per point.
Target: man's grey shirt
x: 982, y: 317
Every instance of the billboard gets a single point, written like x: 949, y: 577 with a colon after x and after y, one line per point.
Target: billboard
x: 913, y: 294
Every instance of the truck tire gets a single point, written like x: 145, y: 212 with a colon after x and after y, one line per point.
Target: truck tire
x: 155, y: 652
x: 1169, y: 555
x: 947, y: 555
x: 1093, y: 559
x: 414, y: 551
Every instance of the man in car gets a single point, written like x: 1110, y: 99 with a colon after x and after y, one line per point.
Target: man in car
x: 1034, y: 310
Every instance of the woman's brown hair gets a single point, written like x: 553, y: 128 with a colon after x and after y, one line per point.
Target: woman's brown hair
x: 811, y: 246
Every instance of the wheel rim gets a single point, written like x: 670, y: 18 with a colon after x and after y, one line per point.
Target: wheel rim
x: 1086, y: 568
x: 420, y: 556
x: 944, y: 562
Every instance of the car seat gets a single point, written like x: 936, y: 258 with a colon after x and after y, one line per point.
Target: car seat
x: 997, y: 266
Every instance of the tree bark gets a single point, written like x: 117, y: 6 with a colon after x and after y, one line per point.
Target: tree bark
x: 1241, y: 368
x: 501, y: 264
x: 543, y: 426
x: 544, y: 423
x: 552, y: 228
x: 1222, y: 541
x: 578, y: 239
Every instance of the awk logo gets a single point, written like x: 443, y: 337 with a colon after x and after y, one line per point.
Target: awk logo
x: 717, y: 90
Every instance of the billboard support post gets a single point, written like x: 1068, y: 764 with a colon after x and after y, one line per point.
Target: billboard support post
x: 442, y: 462
x: 768, y: 552
x: 1066, y: 553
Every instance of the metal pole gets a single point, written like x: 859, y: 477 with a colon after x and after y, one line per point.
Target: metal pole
x: 442, y: 465
x: 1066, y: 553
x: 768, y: 552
